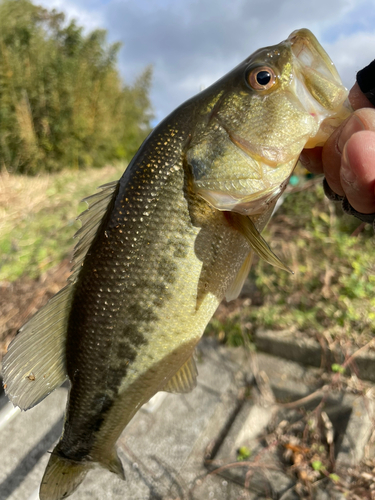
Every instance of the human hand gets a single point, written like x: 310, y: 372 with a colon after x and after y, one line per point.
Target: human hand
x: 348, y: 158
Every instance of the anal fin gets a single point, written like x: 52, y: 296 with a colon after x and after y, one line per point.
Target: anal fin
x: 113, y: 464
x: 185, y: 380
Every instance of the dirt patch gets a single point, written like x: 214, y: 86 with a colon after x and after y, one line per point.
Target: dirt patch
x: 22, y: 298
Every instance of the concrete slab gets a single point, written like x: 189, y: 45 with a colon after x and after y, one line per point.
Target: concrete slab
x: 351, y: 418
x: 296, y: 346
x: 175, y: 441
x: 24, y: 442
x: 162, y: 448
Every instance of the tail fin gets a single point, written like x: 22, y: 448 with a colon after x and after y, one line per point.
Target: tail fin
x: 62, y: 477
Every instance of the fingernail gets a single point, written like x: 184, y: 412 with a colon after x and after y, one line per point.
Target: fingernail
x: 352, y: 126
x: 346, y: 171
x: 366, y: 81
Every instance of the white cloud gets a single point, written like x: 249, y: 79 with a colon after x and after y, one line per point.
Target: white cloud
x: 351, y: 54
x: 193, y: 42
x: 87, y: 17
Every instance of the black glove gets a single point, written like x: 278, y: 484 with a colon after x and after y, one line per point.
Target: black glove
x: 346, y: 206
x: 366, y: 81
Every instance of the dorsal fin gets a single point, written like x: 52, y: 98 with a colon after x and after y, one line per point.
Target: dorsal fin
x: 91, y: 219
x: 185, y: 380
x: 35, y: 362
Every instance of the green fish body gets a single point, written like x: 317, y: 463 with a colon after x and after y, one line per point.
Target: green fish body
x: 161, y: 248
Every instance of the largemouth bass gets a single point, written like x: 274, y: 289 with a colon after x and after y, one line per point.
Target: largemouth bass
x: 159, y: 249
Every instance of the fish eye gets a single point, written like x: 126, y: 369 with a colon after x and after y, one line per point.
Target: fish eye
x: 262, y: 78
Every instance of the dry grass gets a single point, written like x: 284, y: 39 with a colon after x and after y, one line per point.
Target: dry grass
x: 38, y: 217
x: 20, y: 195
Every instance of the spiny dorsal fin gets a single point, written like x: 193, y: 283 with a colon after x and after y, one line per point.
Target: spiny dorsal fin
x: 246, y: 227
x: 91, y: 219
x: 185, y: 380
x: 235, y: 288
x: 35, y: 362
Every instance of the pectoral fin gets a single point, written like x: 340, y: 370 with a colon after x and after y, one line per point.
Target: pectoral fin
x: 235, y: 288
x: 185, y: 380
x: 246, y: 227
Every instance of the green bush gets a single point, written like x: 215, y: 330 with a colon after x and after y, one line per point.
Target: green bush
x: 62, y: 101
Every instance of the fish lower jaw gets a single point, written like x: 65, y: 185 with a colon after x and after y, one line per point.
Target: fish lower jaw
x: 328, y: 126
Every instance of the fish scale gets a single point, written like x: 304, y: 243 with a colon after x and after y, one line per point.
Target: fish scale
x: 159, y: 250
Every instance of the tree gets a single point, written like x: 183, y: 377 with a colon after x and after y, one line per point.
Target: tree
x: 62, y: 101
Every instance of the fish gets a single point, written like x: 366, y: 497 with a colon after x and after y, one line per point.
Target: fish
x: 162, y: 247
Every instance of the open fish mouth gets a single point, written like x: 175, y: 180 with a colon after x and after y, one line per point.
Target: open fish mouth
x: 318, y: 85
x: 311, y: 54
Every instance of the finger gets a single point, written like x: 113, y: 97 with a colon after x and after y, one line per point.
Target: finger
x: 311, y: 159
x: 331, y: 157
x: 362, y: 119
x: 366, y: 116
x: 358, y: 99
x: 358, y: 171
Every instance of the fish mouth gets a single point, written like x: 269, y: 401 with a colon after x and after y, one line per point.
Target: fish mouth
x: 306, y: 48
x: 318, y: 85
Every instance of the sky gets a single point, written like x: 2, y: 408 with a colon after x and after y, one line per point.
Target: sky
x: 192, y: 43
